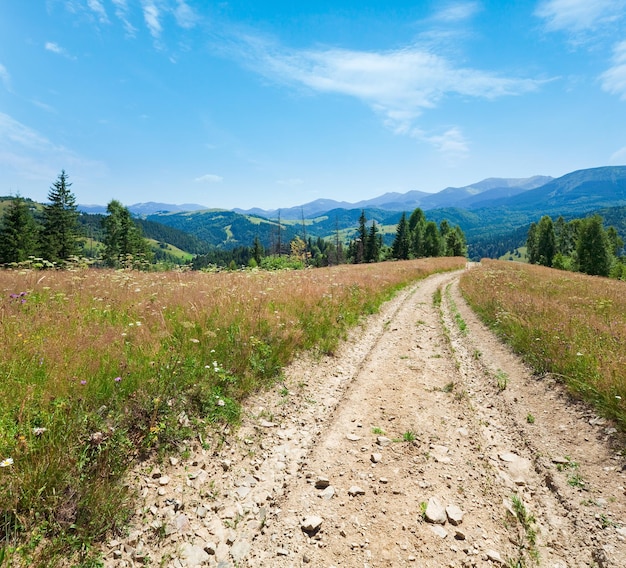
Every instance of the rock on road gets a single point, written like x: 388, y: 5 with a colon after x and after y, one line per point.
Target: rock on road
x: 416, y: 444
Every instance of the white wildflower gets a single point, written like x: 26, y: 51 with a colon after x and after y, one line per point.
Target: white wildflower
x: 6, y: 462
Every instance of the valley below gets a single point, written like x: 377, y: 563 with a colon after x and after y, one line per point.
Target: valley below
x: 423, y: 441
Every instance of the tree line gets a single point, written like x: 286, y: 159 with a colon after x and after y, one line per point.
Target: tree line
x: 580, y: 245
x: 417, y: 238
x: 58, y: 234
x: 53, y: 237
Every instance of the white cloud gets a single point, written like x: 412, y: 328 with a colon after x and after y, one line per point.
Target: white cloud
x: 55, y: 48
x: 97, y: 7
x: 457, y: 12
x: 452, y: 145
x: 185, y: 15
x: 209, y: 178
x: 121, y: 11
x: 151, y: 15
x: 618, y: 157
x: 614, y: 78
x: 579, y: 15
x: 399, y: 85
x: 32, y: 156
x: 5, y: 78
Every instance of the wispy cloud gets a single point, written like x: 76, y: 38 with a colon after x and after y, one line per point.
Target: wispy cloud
x: 32, y: 156
x: 98, y: 9
x: 451, y: 144
x: 398, y: 85
x: 185, y: 16
x: 618, y: 157
x: 152, y: 15
x: 579, y: 15
x: 5, y: 78
x: 614, y: 79
x: 209, y: 178
x: 457, y: 12
x: 56, y: 48
x: 121, y: 11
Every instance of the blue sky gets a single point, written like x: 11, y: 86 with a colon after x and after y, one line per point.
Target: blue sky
x: 273, y: 104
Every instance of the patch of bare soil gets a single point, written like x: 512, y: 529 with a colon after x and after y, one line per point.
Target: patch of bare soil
x: 417, y: 444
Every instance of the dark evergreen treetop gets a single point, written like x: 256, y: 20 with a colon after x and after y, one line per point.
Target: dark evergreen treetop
x: 60, y: 225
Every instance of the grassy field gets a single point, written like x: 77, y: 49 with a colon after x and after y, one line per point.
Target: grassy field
x: 100, y: 368
x: 564, y: 323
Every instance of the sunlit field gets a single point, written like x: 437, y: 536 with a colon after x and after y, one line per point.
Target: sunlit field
x: 568, y: 324
x: 100, y: 368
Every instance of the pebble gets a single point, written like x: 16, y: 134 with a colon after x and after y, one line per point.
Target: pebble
x: 454, y: 514
x: 375, y: 458
x: 435, y: 512
x: 356, y: 490
x: 311, y: 524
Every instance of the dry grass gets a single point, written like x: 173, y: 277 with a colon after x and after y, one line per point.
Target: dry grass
x: 100, y: 367
x: 568, y: 324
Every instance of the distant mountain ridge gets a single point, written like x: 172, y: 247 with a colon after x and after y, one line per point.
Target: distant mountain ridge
x: 468, y: 196
x: 486, y: 209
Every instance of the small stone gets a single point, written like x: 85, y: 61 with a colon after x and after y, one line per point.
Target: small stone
x: 239, y: 550
x: 439, y: 531
x: 322, y: 482
x: 494, y: 556
x: 383, y: 480
x: 353, y: 437
x: 459, y: 534
x: 174, y: 461
x: 193, y: 555
x: 164, y: 480
x: 435, y: 513
x: 383, y: 441
x: 509, y: 457
x: 266, y: 424
x: 375, y: 458
x: 282, y: 552
x: 328, y: 493
x: 356, y: 490
x: 455, y: 515
x: 311, y: 524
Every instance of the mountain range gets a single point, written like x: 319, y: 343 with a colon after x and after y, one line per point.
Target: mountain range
x: 491, y: 207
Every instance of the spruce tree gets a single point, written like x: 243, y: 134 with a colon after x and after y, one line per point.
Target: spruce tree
x: 18, y: 235
x: 402, y: 243
x: 60, y: 227
x: 372, y: 245
x: 432, y: 240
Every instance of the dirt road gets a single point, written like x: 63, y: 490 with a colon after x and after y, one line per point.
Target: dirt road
x: 417, y: 444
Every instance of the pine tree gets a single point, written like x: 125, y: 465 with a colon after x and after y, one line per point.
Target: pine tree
x: 402, y: 243
x: 372, y: 245
x: 18, y: 235
x: 123, y: 243
x: 60, y: 227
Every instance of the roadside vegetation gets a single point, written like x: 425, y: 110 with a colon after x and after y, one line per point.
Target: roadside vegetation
x: 101, y: 368
x: 567, y: 324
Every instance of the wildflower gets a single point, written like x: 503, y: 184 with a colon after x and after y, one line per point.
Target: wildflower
x: 6, y: 462
x: 618, y: 397
x: 194, y: 340
x: 117, y: 379
x: 39, y: 431
x: 220, y: 402
x: 83, y: 382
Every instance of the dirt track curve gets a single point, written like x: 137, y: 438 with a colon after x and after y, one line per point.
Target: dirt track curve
x: 415, y: 445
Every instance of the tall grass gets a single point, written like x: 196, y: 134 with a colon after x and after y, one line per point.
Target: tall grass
x: 100, y: 368
x: 568, y: 324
